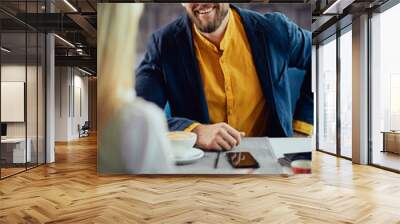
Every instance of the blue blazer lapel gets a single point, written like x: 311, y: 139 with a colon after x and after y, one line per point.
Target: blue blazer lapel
x: 186, y: 53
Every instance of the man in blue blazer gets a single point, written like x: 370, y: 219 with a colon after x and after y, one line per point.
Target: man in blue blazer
x: 172, y: 72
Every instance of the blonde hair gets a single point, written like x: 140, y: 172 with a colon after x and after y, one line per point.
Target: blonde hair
x: 117, y: 29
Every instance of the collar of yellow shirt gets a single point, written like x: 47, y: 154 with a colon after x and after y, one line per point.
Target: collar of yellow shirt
x: 225, y: 40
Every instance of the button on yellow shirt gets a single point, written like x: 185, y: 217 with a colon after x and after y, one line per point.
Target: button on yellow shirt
x: 231, y: 85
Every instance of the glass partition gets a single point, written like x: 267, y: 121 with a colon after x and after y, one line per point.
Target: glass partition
x: 31, y: 99
x: 22, y: 77
x: 14, y: 153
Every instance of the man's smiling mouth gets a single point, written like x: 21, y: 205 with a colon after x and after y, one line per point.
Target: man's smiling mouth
x: 205, y: 11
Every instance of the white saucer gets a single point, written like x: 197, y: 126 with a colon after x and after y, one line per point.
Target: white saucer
x: 187, y: 156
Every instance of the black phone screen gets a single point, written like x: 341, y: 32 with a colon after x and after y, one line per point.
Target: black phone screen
x: 242, y: 160
x: 297, y: 156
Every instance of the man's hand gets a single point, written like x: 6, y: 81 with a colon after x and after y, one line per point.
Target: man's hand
x: 218, y: 136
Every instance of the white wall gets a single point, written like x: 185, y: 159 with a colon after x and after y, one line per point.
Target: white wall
x: 62, y: 81
x: 71, y: 94
x: 81, y: 89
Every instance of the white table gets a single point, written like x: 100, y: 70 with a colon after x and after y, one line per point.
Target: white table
x: 265, y: 150
x: 281, y: 146
x: 290, y: 145
x: 18, y: 148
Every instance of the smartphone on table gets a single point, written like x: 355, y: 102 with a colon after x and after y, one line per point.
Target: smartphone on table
x: 242, y: 160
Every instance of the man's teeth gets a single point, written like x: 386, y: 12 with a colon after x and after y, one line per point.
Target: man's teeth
x: 205, y: 11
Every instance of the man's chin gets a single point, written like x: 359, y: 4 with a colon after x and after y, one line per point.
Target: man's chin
x: 204, y: 22
x: 206, y: 29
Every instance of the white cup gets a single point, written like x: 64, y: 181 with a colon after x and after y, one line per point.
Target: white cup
x: 182, y: 139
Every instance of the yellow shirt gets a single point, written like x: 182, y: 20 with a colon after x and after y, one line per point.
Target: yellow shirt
x: 231, y: 85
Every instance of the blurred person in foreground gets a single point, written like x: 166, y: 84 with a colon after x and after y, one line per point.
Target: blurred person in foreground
x: 132, y: 133
x: 223, y: 72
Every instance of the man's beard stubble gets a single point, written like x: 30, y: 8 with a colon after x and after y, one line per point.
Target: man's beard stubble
x: 212, y: 26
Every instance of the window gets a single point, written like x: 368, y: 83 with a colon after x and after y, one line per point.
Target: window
x: 385, y: 88
x: 346, y: 94
x: 327, y: 96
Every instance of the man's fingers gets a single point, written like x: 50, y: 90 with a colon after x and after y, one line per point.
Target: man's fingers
x: 217, y: 136
x: 215, y: 146
x: 221, y: 142
x: 228, y: 138
x: 233, y: 132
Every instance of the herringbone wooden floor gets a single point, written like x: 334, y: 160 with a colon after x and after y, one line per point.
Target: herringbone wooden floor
x: 70, y: 191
